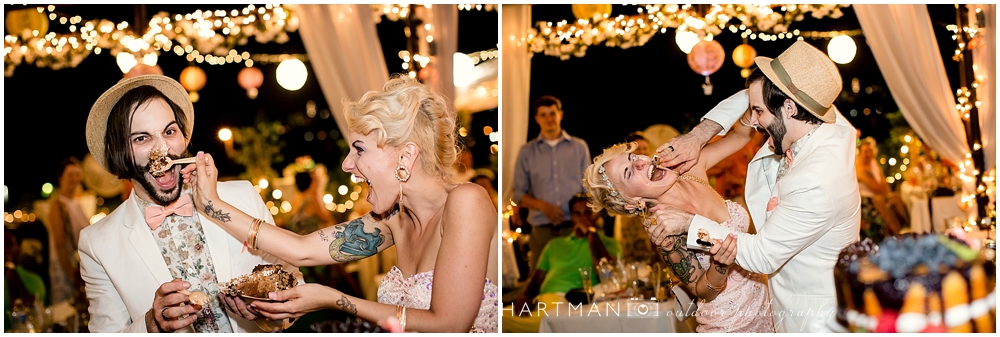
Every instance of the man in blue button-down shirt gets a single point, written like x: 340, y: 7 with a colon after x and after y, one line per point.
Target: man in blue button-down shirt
x: 548, y: 172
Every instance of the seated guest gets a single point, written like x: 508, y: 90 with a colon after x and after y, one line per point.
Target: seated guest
x: 558, y: 267
x: 18, y: 283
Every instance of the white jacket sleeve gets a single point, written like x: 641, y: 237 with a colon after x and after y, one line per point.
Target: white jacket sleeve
x: 108, y: 312
x: 801, y: 217
x: 727, y: 112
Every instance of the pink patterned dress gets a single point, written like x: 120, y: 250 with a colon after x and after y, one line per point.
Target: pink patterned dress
x: 743, y: 306
x: 415, y: 292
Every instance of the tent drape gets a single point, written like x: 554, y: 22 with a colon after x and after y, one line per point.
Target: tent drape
x: 516, y: 77
x: 344, y: 68
x: 914, y: 71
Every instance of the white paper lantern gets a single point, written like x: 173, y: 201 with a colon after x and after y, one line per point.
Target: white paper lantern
x: 842, y: 49
x: 292, y: 74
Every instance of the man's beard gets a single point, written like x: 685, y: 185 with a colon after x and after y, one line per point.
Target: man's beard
x: 777, y: 131
x: 160, y: 196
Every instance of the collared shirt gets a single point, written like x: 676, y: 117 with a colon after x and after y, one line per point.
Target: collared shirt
x: 550, y: 173
x: 563, y: 256
x: 796, y: 146
x: 182, y: 243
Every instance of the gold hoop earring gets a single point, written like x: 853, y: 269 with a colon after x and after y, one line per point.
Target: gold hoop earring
x: 402, y: 173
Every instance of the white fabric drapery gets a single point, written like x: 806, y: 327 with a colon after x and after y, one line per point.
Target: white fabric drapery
x: 344, y: 52
x: 914, y: 71
x: 444, y: 23
x: 516, y: 69
x: 985, y: 59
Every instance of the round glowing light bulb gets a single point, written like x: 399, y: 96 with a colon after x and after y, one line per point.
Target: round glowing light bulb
x: 291, y: 74
x: 225, y: 134
x: 842, y: 49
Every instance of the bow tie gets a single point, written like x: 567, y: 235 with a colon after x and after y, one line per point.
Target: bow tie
x: 156, y: 213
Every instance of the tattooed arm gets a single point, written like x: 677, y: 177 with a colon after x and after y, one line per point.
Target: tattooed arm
x: 345, y: 242
x: 685, y: 266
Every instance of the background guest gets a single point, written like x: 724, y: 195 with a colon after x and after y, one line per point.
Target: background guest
x: 558, y: 267
x: 65, y: 219
x: 547, y: 174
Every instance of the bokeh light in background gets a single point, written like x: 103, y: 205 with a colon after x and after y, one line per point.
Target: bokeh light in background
x: 292, y: 74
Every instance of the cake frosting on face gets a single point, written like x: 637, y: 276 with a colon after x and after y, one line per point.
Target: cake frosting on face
x: 158, y: 161
x: 916, y: 283
x: 264, y: 278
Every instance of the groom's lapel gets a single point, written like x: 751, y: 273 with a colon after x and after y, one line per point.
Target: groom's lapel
x: 143, y: 242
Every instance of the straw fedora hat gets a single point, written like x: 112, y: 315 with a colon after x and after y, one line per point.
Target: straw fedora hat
x: 808, y: 76
x: 97, y: 122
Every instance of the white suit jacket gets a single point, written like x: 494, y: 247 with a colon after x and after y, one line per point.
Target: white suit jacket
x: 122, y: 265
x: 798, y: 242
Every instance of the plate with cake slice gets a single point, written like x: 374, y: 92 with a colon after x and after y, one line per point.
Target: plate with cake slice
x: 255, y: 286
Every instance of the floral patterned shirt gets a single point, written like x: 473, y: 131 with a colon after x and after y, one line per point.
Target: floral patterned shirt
x: 182, y: 243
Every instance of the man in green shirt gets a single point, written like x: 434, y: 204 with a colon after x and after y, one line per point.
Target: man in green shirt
x: 558, y: 266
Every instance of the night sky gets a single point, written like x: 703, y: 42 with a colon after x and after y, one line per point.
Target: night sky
x: 46, y: 110
x: 625, y: 90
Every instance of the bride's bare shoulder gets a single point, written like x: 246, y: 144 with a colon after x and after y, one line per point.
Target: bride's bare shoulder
x: 468, y: 198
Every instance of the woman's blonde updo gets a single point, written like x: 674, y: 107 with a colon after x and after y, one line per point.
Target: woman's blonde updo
x: 408, y: 111
x: 603, y: 195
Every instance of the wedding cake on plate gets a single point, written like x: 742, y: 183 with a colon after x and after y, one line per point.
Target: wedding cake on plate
x: 916, y: 283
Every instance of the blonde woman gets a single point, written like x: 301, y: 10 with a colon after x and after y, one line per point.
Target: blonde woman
x: 403, y: 145
x: 733, y: 299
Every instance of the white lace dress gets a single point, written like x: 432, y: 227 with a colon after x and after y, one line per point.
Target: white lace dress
x: 415, y: 292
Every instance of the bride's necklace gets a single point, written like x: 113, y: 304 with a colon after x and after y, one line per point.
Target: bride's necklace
x: 689, y: 177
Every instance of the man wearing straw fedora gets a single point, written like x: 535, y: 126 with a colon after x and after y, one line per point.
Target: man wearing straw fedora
x: 139, y: 261
x: 801, y: 188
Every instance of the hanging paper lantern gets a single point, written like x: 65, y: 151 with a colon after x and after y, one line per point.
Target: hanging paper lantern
x: 193, y: 79
x: 706, y: 57
x: 250, y: 78
x: 142, y: 69
x: 589, y: 11
x: 842, y: 49
x: 743, y: 55
x: 29, y: 18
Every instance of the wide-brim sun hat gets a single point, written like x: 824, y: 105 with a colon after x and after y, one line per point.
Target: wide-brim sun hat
x: 97, y: 121
x: 808, y: 76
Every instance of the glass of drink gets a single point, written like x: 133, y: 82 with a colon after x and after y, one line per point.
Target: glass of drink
x: 586, y: 277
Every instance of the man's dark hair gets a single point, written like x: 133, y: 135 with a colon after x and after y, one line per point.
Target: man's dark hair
x: 578, y: 198
x: 547, y: 100
x: 117, y: 144
x: 774, y: 98
x: 303, y: 180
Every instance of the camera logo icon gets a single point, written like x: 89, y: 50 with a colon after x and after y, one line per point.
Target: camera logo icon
x: 642, y: 309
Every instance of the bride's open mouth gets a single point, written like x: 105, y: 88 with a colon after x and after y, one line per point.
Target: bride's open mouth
x: 655, y: 173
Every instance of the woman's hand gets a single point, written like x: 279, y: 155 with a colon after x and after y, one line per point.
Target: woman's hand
x: 297, y: 301
x: 203, y: 177
x: 724, y: 252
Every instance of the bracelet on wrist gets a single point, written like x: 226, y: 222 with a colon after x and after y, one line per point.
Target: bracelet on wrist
x: 712, y: 287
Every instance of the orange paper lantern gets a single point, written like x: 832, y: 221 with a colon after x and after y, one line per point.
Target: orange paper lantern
x: 589, y: 11
x: 18, y: 20
x: 193, y: 78
x: 706, y: 57
x: 142, y: 69
x: 743, y: 55
x: 250, y: 78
